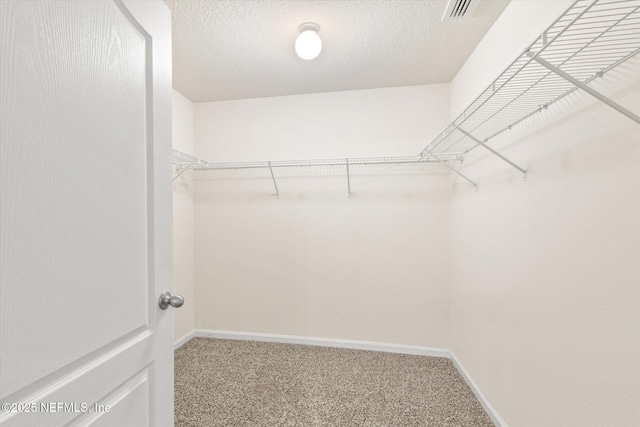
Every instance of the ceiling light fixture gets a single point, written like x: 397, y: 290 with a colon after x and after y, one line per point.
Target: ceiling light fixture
x: 308, y: 43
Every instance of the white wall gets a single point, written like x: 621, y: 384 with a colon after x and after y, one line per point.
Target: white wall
x: 183, y: 217
x: 545, y: 298
x: 315, y: 262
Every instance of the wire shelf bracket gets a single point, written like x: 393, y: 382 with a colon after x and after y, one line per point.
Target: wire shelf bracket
x: 346, y: 162
x: 179, y: 172
x: 492, y: 151
x: 587, y: 89
x: 274, y: 179
x: 455, y: 171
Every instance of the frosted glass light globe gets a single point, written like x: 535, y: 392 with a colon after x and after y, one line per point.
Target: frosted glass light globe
x: 308, y: 43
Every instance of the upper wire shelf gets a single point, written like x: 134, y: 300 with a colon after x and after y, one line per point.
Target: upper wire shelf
x: 589, y: 39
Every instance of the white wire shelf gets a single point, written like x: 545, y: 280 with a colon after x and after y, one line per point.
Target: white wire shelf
x: 589, y: 39
x: 186, y: 161
x: 183, y: 161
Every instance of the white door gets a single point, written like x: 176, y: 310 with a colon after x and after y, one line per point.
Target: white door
x: 85, y: 213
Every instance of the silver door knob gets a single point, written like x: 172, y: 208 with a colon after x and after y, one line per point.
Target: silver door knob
x: 167, y: 300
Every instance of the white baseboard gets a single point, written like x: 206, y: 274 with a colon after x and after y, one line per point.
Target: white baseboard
x: 180, y: 342
x: 490, y: 410
x: 355, y: 345
x: 325, y: 342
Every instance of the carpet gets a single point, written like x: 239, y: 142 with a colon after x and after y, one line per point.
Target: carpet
x: 247, y: 383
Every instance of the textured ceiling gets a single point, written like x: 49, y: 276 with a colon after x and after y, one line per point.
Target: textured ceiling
x: 233, y: 49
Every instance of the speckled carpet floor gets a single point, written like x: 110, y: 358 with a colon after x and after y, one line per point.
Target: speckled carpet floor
x: 247, y: 383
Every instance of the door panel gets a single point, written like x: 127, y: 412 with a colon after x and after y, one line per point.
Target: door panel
x: 89, y: 384
x: 85, y: 234
x: 126, y: 406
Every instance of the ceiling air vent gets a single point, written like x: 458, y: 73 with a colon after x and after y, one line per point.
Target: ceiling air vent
x: 459, y: 9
